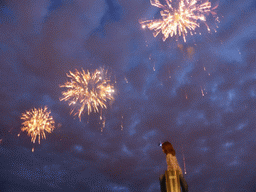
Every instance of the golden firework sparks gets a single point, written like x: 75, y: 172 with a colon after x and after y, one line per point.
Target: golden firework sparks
x: 181, y: 21
x: 36, y: 122
x: 88, y: 89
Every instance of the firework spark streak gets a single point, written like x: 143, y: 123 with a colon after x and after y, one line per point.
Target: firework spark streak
x: 88, y: 89
x: 36, y: 122
x: 181, y: 21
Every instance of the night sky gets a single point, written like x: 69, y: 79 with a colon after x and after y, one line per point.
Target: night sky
x: 200, y: 95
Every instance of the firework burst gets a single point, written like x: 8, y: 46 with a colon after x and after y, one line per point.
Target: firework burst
x: 181, y: 21
x: 88, y: 89
x: 36, y: 122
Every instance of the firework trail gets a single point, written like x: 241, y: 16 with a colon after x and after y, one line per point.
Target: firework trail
x: 36, y: 122
x: 88, y: 89
x: 182, y: 20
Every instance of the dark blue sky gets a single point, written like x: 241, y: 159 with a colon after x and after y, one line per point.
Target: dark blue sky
x: 199, y: 95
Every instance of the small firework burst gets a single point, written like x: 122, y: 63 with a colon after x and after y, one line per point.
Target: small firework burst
x: 88, y: 89
x: 180, y: 21
x: 36, y: 122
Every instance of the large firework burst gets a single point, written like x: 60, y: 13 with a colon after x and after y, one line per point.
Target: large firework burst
x: 88, y: 89
x: 181, y: 21
x: 36, y: 122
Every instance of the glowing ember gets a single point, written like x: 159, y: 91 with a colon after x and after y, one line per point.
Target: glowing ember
x: 88, y: 89
x: 181, y: 21
x: 36, y: 122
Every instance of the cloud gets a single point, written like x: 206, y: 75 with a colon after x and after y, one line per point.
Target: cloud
x: 198, y: 95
